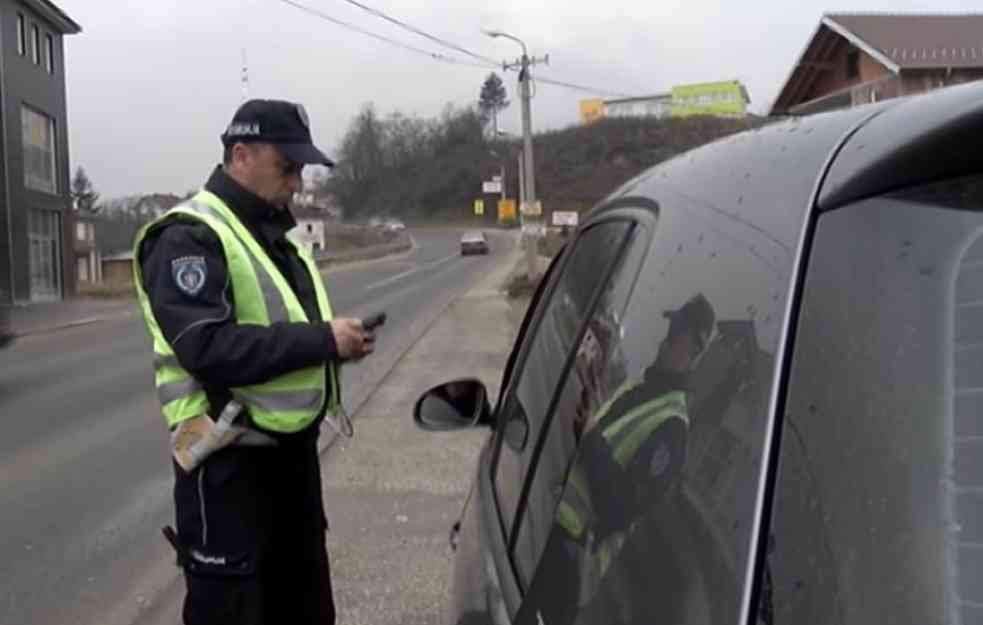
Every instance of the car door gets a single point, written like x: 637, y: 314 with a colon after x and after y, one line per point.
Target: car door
x: 664, y: 412
x: 535, y: 372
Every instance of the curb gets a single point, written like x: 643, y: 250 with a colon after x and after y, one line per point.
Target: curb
x: 68, y: 325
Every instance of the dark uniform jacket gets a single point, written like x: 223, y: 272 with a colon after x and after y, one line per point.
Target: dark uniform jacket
x: 201, y: 328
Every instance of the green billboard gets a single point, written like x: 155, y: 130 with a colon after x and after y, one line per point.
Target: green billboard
x: 728, y: 98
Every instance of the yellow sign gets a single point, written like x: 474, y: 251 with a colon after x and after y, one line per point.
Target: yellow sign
x: 591, y: 110
x: 479, y: 207
x: 506, y: 211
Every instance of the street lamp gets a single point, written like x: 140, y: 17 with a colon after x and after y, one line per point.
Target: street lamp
x: 529, y: 179
x: 494, y: 34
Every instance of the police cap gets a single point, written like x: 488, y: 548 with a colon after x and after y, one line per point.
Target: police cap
x: 283, y: 124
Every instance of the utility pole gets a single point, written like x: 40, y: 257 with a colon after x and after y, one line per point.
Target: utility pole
x: 501, y: 167
x: 527, y: 170
x: 245, y: 77
x: 522, y: 178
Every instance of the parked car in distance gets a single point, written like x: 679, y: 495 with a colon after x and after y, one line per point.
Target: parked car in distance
x: 394, y: 225
x: 474, y: 242
x: 747, y: 390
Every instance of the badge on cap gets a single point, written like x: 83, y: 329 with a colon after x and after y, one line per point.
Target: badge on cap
x: 189, y: 273
x: 302, y: 114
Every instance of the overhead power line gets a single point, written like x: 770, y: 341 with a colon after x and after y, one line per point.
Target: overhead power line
x: 393, y: 42
x: 436, y: 56
x: 569, y: 85
x: 422, y: 33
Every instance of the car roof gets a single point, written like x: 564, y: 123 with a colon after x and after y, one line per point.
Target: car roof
x: 862, y: 151
x: 916, y: 141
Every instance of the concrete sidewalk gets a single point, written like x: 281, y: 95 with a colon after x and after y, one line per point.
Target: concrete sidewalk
x: 393, y: 492
x: 49, y: 316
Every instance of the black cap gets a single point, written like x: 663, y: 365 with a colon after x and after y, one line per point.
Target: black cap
x: 696, y: 315
x: 283, y: 124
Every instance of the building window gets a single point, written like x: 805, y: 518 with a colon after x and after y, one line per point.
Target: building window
x: 39, y: 151
x: 21, y: 36
x: 36, y: 39
x: 853, y: 64
x: 49, y: 53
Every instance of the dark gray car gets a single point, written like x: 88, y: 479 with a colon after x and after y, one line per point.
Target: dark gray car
x: 749, y: 390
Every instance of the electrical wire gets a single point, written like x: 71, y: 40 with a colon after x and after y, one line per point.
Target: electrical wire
x: 399, y: 44
x: 568, y: 85
x: 436, y: 56
x: 422, y: 33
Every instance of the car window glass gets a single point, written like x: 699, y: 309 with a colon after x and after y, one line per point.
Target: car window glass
x: 530, y: 314
x: 594, y: 373
x: 878, y: 508
x: 655, y: 520
x: 564, y: 310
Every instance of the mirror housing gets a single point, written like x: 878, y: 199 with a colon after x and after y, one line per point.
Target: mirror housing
x: 455, y: 405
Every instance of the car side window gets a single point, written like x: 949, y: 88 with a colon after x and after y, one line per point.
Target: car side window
x: 595, y: 372
x: 878, y: 502
x: 655, y: 518
x: 549, y: 342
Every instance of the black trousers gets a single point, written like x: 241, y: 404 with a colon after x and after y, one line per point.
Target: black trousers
x: 251, y: 525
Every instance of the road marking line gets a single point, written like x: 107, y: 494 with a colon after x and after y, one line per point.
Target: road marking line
x: 398, y: 276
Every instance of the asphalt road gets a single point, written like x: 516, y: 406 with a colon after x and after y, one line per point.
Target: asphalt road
x: 84, y: 469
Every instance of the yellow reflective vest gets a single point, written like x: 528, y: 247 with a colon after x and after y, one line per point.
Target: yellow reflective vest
x: 262, y: 296
x: 623, y: 435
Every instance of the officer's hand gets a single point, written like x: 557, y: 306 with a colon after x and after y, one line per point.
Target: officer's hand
x: 352, y: 339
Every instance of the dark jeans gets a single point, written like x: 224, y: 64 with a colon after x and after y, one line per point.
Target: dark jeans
x: 252, y: 527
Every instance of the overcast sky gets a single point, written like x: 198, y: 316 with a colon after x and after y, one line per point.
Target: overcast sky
x: 151, y: 85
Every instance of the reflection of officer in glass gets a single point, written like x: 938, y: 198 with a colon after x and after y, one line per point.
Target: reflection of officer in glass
x: 639, y: 437
x: 459, y: 397
x: 633, y: 448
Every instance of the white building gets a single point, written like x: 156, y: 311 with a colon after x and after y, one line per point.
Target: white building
x: 309, y: 232
x: 658, y: 106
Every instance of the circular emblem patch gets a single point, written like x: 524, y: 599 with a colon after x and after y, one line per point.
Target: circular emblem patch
x: 189, y: 273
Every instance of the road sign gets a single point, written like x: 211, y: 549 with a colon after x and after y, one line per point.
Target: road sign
x: 479, y: 207
x: 491, y: 186
x: 565, y: 218
x: 533, y: 210
x: 506, y: 211
x: 534, y: 230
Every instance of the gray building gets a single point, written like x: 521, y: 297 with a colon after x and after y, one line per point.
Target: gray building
x: 36, y: 220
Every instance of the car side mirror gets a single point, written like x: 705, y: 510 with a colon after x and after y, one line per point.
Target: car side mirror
x: 456, y: 405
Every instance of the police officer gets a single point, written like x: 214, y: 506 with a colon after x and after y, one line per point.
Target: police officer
x: 241, y: 322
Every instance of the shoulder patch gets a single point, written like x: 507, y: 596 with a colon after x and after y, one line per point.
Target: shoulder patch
x: 189, y: 273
